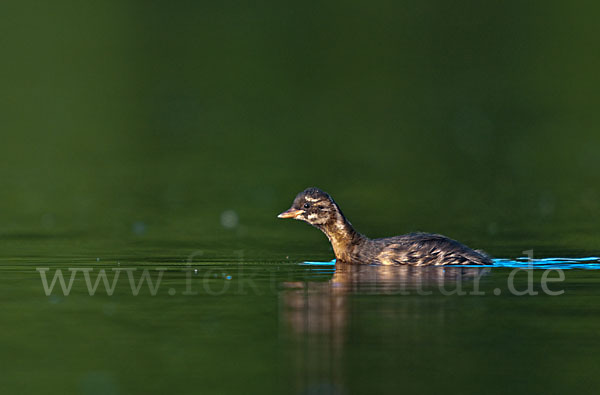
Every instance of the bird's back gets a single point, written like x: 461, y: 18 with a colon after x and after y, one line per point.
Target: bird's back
x: 423, y: 249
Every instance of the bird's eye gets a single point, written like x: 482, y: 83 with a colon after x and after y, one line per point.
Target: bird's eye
x: 306, y: 205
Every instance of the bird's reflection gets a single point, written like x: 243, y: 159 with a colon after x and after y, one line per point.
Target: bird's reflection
x: 316, y: 314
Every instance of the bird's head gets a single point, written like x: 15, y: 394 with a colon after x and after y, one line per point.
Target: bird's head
x: 313, y: 206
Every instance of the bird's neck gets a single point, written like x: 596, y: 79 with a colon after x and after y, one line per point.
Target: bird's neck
x: 342, y: 236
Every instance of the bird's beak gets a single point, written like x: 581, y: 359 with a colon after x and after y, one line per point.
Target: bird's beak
x: 291, y: 213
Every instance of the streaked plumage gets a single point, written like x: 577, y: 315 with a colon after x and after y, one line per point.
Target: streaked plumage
x: 418, y: 249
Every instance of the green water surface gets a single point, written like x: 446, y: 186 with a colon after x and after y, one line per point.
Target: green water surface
x: 285, y: 328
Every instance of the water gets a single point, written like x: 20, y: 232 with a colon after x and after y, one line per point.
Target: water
x: 299, y: 328
x: 588, y: 263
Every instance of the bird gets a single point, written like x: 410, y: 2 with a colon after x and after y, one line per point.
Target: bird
x: 318, y: 208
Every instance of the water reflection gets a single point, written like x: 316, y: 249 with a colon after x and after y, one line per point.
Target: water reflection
x: 316, y: 314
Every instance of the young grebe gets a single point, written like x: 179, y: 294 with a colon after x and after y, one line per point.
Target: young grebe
x: 418, y: 249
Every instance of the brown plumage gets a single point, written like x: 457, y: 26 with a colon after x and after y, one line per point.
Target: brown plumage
x: 418, y: 249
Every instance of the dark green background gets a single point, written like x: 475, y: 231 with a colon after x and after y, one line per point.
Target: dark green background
x: 127, y: 129
x: 475, y: 119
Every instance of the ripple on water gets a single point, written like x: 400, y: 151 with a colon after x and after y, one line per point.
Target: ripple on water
x: 586, y: 263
